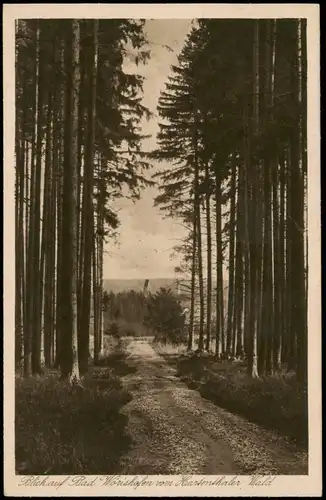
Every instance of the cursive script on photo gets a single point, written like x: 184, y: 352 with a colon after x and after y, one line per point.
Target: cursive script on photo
x: 135, y: 482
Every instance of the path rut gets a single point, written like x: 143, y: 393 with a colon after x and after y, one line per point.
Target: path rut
x: 176, y: 431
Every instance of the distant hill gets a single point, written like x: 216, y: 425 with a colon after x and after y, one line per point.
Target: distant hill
x: 121, y: 285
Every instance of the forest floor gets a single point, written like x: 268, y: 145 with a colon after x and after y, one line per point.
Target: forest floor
x: 140, y: 412
x: 64, y: 429
x: 175, y: 431
x: 277, y: 402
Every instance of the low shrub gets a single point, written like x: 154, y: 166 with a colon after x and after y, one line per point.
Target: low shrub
x: 169, y: 350
x: 63, y: 429
x: 277, y: 402
x: 113, y: 329
x: 117, y: 361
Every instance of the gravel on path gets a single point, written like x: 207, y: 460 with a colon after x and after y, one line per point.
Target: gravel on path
x: 176, y: 431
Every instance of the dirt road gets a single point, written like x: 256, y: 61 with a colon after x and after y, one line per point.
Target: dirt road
x: 176, y: 431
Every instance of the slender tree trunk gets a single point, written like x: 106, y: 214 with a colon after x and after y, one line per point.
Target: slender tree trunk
x: 278, y: 313
x: 97, y: 259
x: 60, y: 174
x: 101, y: 312
x: 240, y: 317
x: 95, y: 263
x: 268, y: 303
x: 199, y: 244
x: 246, y: 245
x: 193, y: 284
x: 24, y: 241
x: 88, y: 214
x: 277, y: 323
x: 262, y: 337
x: 290, y: 333
x: 19, y: 220
x: 201, y: 280
x: 52, y: 249
x: 304, y: 149
x: 18, y: 250
x: 298, y: 306
x: 84, y: 96
x: 209, y: 263
x: 255, y: 233
x: 238, y: 344
x: 22, y: 250
x: 100, y: 297
x: 100, y: 248
x: 30, y: 291
x: 69, y: 361
x: 36, y: 314
x: 281, y: 249
x: 230, y: 334
x: 18, y: 312
x: 95, y: 300
x: 56, y: 159
x: 46, y: 264
x: 220, y: 346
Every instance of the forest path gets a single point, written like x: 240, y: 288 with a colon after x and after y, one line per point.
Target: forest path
x: 176, y: 431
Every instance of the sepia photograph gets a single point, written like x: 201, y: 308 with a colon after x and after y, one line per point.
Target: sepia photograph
x: 162, y: 252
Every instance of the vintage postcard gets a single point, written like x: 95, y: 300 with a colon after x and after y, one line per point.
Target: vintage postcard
x: 162, y: 250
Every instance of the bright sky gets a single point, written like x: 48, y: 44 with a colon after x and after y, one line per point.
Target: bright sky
x: 146, y: 239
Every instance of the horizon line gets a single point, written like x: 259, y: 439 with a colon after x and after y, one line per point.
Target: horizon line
x: 143, y: 279
x: 129, y: 279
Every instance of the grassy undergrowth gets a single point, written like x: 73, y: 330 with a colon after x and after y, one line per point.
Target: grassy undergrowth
x: 277, y: 402
x: 63, y: 429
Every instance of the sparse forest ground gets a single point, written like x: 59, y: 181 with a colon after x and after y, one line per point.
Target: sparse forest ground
x: 65, y: 429
x: 277, y: 402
